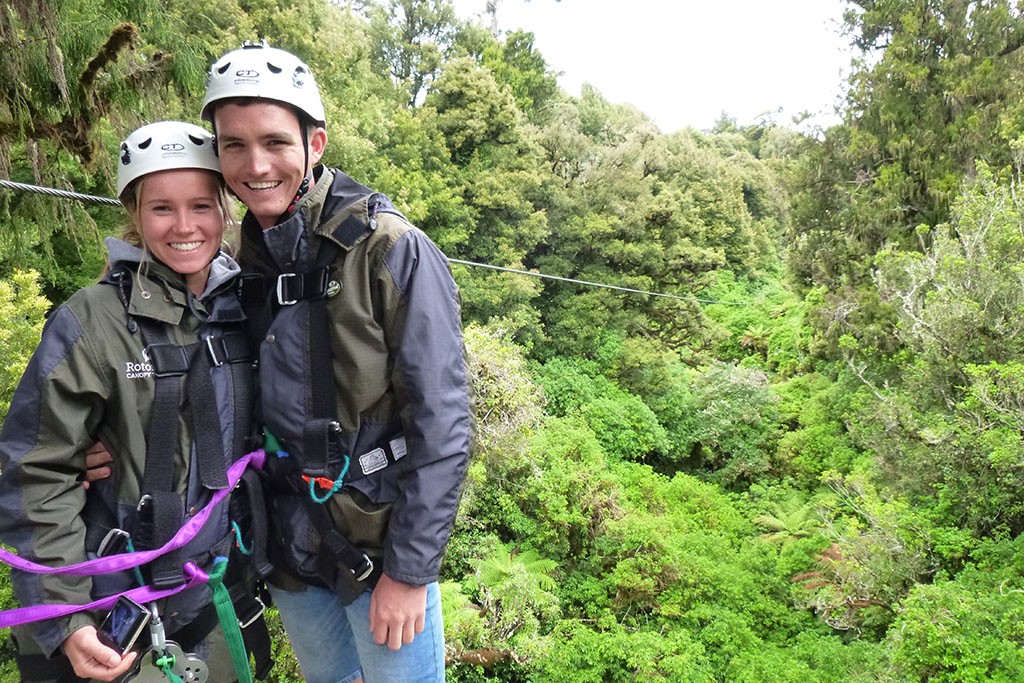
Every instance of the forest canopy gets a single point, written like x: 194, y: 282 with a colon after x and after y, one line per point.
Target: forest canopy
x: 801, y: 459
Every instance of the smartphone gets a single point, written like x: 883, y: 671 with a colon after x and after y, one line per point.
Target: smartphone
x: 123, y: 624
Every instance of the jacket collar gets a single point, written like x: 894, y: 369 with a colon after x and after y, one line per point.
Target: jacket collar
x: 155, y: 286
x: 338, y: 208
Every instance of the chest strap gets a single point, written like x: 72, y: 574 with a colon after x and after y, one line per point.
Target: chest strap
x: 161, y: 510
x: 286, y: 289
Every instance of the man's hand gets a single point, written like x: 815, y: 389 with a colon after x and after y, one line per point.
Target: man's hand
x: 397, y: 612
x: 97, y: 463
x: 92, y: 659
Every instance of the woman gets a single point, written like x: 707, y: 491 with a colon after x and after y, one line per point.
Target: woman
x: 103, y: 372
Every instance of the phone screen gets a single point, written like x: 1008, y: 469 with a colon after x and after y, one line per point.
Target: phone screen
x: 123, y: 624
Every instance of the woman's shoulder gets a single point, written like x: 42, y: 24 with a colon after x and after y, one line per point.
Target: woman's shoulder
x: 96, y: 306
x: 101, y: 294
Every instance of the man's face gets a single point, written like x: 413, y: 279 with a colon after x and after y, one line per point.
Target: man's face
x: 262, y: 157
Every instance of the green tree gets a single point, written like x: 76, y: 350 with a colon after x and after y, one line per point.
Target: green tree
x: 517, y: 63
x: 945, y: 430
x: 411, y: 40
x: 728, y: 425
x: 937, y: 87
x: 964, y: 628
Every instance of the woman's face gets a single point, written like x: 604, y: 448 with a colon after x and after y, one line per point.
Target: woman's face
x: 181, y: 221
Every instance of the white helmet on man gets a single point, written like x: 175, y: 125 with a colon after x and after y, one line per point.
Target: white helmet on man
x: 164, y: 146
x: 260, y: 71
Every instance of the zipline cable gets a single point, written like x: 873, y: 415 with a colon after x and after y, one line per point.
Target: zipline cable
x: 64, y: 194
x: 596, y: 284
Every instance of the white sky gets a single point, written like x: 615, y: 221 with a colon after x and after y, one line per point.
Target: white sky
x: 684, y: 62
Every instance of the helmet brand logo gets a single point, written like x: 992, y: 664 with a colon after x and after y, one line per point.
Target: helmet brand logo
x: 247, y: 73
x: 172, y: 147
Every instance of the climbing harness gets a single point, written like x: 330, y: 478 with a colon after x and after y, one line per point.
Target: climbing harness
x: 186, y: 369
x: 323, y: 467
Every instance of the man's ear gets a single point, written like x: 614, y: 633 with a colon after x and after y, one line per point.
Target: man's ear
x: 317, y: 144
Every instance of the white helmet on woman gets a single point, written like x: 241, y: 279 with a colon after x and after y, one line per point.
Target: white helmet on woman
x: 260, y: 71
x: 163, y: 146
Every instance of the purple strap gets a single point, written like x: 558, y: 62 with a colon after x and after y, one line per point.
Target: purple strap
x: 26, y: 615
x: 115, y: 563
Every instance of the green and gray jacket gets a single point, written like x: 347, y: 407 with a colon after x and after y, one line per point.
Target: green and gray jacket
x: 90, y: 379
x: 399, y: 371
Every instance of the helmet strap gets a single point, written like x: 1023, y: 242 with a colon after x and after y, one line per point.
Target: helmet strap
x: 303, y: 189
x: 304, y: 185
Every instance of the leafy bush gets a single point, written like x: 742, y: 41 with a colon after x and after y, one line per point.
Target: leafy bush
x: 615, y: 654
x: 955, y: 631
x: 626, y: 428
x: 730, y: 423
x: 22, y: 307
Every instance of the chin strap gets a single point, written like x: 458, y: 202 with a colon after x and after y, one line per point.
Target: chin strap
x: 304, y: 186
x: 303, y: 189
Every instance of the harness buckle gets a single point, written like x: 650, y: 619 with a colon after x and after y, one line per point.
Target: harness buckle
x: 363, y: 570
x: 244, y: 621
x: 280, y: 289
x: 114, y: 543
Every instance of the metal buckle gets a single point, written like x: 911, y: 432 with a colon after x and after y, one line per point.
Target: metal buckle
x: 280, y: 289
x: 367, y: 571
x: 258, y: 613
x: 114, y: 543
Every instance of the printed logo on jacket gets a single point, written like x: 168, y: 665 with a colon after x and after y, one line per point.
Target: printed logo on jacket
x: 139, y: 370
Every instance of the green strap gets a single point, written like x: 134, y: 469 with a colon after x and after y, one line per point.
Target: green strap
x: 229, y: 620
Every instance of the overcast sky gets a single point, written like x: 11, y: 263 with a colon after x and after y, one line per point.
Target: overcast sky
x: 684, y: 62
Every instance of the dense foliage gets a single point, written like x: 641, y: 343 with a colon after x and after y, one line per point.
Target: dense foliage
x: 803, y: 461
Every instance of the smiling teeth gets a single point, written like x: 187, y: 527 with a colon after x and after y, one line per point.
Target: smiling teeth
x: 266, y: 185
x: 186, y: 246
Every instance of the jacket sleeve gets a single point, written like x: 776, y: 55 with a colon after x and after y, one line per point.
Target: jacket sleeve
x: 55, y: 408
x: 431, y: 381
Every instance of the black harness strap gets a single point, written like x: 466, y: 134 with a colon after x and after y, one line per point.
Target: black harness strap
x: 206, y: 428
x: 252, y: 486
x: 322, y: 456
x: 161, y: 509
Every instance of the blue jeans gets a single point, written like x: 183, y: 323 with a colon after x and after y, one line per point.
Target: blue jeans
x: 333, y: 642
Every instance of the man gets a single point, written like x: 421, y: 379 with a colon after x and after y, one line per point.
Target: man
x: 364, y: 388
